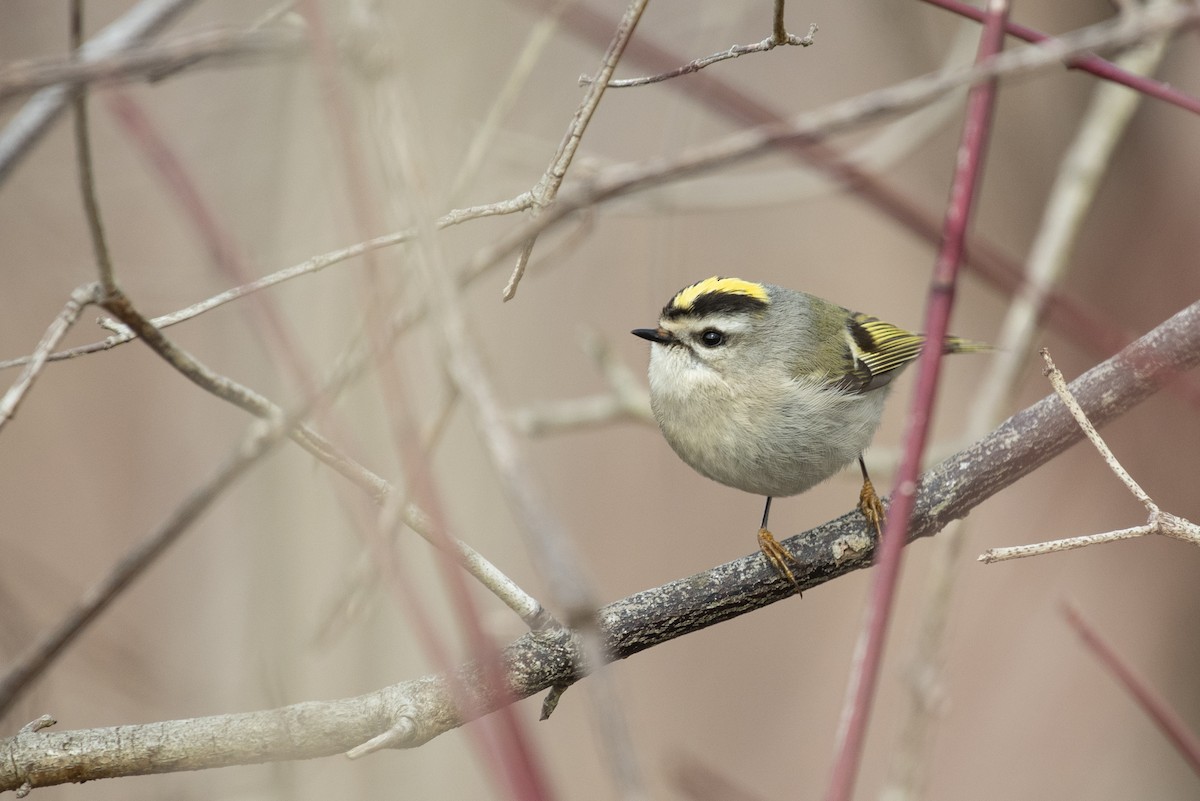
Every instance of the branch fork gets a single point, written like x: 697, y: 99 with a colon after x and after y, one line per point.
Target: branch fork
x: 1158, y: 521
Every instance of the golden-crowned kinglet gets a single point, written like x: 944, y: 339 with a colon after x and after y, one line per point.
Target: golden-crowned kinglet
x: 772, y: 391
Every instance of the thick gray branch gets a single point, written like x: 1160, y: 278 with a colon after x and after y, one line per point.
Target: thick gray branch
x: 416, y: 711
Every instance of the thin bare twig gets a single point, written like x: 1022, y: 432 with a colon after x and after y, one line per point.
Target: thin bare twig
x: 864, y: 677
x: 36, y: 116
x: 1158, y: 522
x: 83, y: 158
x: 544, y: 193
x: 228, y: 45
x: 123, y: 334
x: 1060, y: 386
x: 766, y: 45
x: 80, y: 298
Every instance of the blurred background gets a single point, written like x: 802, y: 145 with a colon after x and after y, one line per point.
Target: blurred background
x: 274, y: 597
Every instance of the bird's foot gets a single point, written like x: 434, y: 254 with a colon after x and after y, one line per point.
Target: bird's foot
x: 778, y: 556
x: 871, y: 506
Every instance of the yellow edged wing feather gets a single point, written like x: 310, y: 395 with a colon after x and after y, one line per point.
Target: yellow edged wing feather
x: 880, y: 350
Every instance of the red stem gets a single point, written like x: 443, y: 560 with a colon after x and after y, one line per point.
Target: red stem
x: 1089, y: 63
x: 502, y: 741
x: 864, y: 680
x: 1154, y: 705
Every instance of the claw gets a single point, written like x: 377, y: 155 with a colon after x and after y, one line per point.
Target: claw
x: 871, y: 506
x: 778, y: 556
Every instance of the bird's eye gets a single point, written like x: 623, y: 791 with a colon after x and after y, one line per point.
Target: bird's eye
x: 712, y: 338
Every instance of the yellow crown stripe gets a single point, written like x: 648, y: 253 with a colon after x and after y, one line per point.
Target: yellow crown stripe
x: 686, y: 298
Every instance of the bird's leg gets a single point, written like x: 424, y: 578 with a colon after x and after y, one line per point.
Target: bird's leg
x: 776, y: 554
x: 868, y: 501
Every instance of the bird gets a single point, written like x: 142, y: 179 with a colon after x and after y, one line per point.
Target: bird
x: 771, y: 390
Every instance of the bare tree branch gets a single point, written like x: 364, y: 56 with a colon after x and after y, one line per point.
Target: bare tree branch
x: 144, y: 19
x: 421, y: 709
x: 766, y: 45
x: 226, y: 45
x: 1158, y: 522
x: 81, y: 297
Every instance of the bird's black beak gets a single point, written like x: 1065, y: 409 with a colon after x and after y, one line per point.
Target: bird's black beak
x: 654, y: 335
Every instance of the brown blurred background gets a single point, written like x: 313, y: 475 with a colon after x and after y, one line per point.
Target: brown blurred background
x: 246, y: 611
